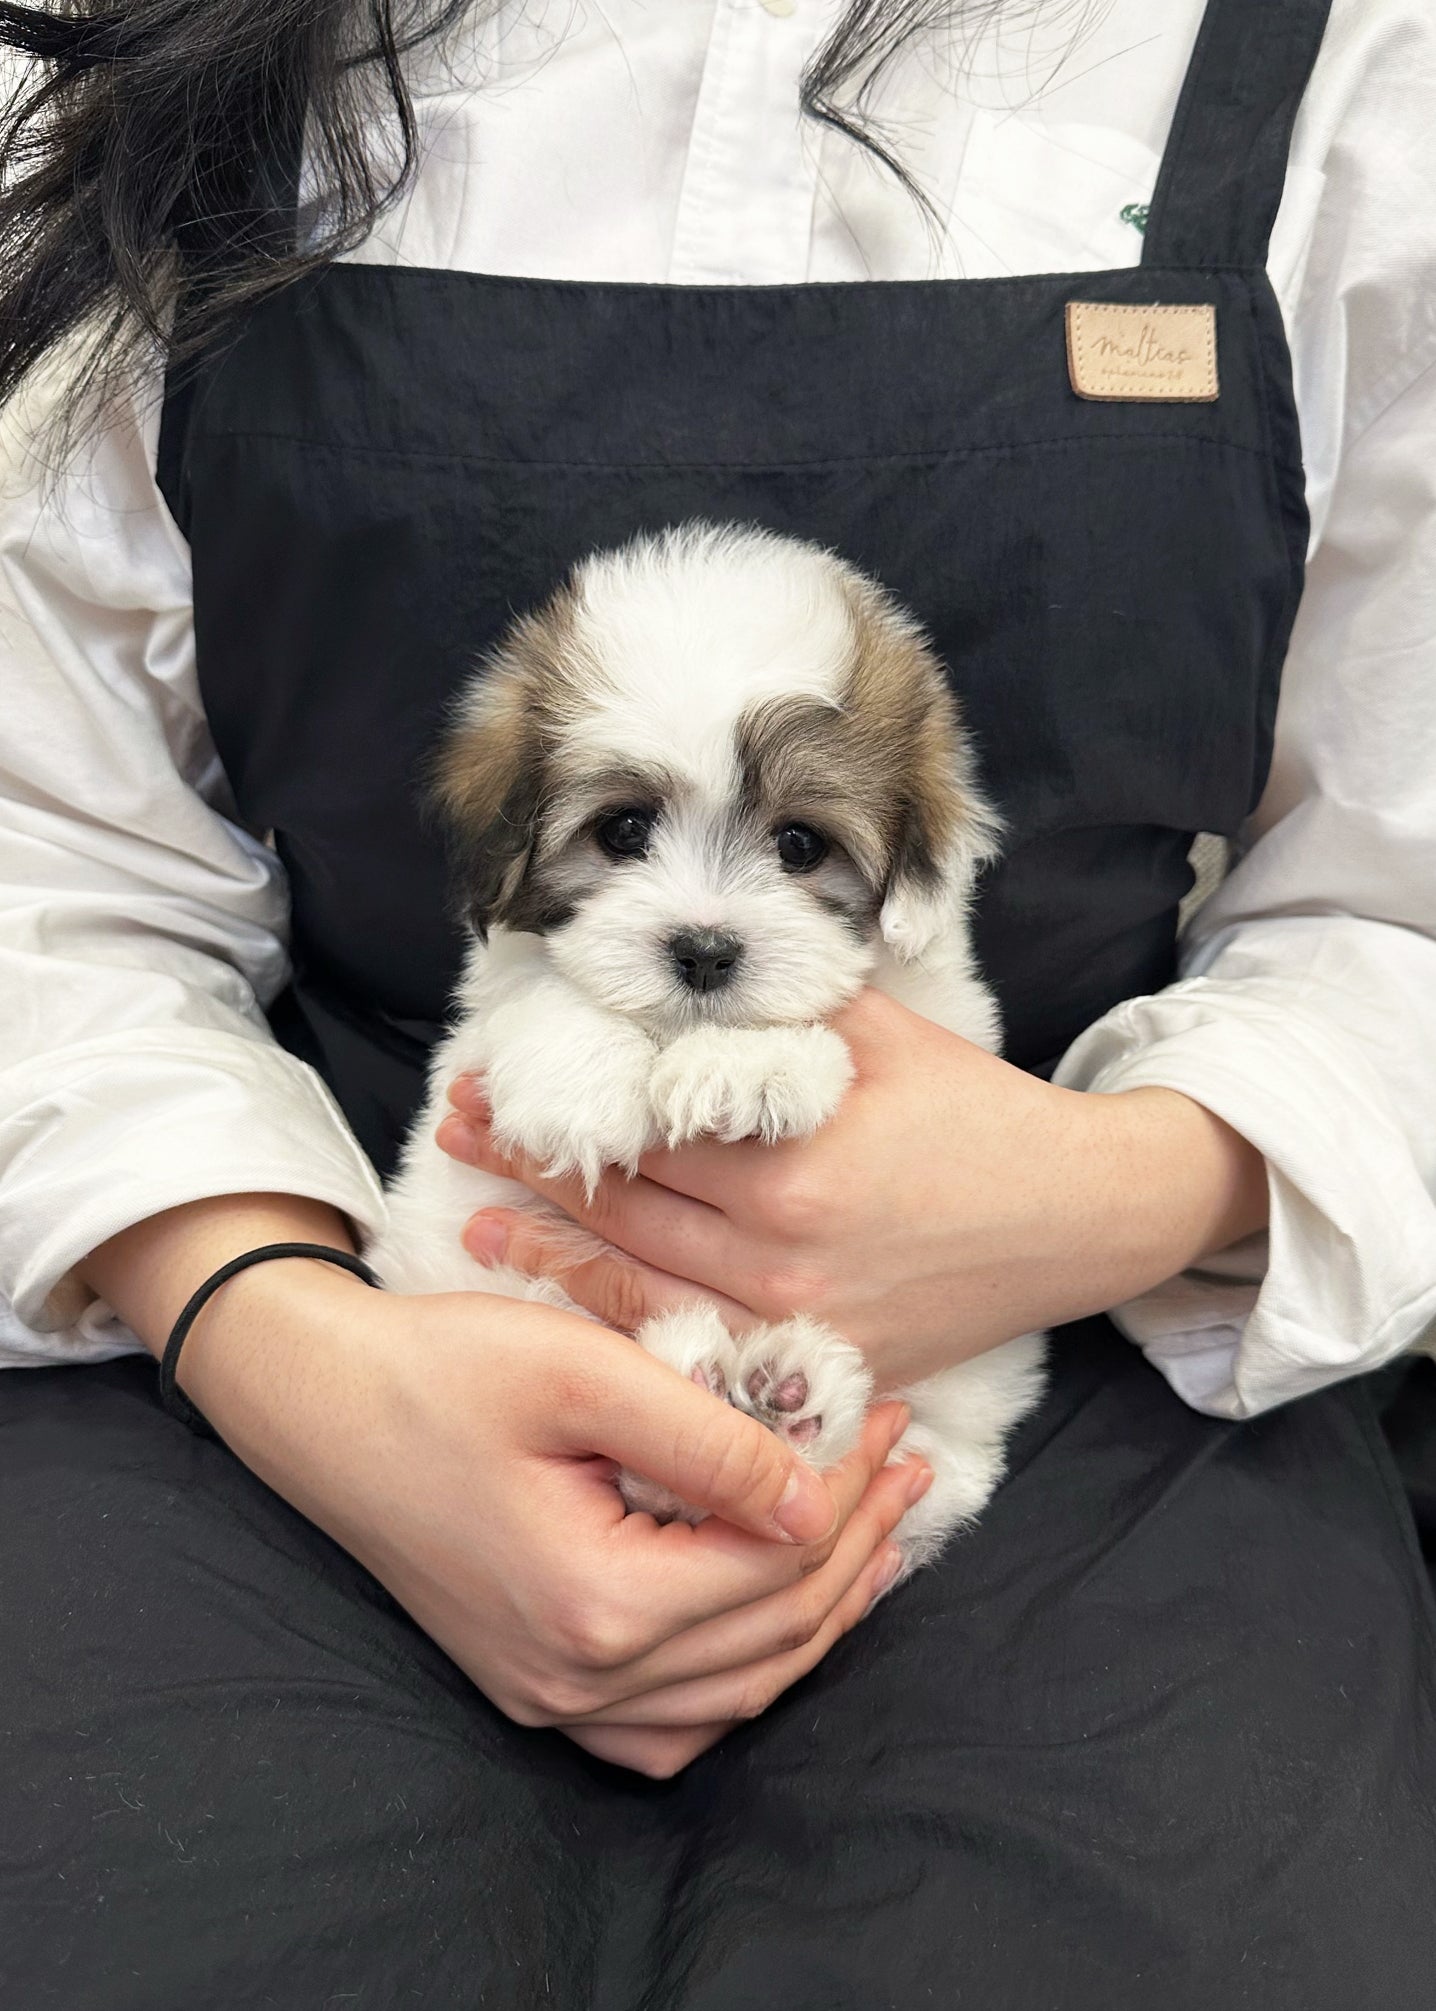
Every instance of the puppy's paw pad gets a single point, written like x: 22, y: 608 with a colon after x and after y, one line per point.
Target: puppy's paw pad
x: 806, y: 1384
x: 781, y: 1398
x: 709, y: 1376
x: 765, y: 1387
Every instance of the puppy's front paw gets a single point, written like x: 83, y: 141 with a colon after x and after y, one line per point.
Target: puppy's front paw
x: 574, y: 1108
x: 805, y: 1383
x: 797, y: 1378
x: 749, y: 1082
x: 693, y: 1340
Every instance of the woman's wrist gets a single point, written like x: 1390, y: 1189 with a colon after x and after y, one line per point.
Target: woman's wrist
x: 1163, y: 1183
x: 255, y: 1361
x: 291, y: 1366
x: 148, y: 1271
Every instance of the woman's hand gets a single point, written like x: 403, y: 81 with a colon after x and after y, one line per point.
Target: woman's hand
x: 952, y: 1203
x: 463, y: 1448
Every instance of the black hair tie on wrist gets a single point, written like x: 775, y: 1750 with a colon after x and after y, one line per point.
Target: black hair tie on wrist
x: 172, y: 1396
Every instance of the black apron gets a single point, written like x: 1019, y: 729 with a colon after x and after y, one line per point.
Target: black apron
x: 391, y: 461
x: 1160, y: 1731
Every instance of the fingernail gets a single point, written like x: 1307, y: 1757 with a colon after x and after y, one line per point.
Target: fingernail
x: 466, y: 1093
x: 807, y: 1511
x: 458, y: 1139
x: 900, y: 1424
x: 920, y: 1482
x: 891, y: 1565
x: 485, y: 1237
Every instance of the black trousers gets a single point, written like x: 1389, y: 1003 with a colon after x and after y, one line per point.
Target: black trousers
x: 1158, y: 1734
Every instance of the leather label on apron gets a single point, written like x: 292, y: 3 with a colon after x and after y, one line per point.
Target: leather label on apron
x: 1166, y: 355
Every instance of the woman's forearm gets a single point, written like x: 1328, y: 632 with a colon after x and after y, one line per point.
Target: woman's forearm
x: 1222, y: 1177
x: 148, y: 1271
x: 276, y: 1353
x: 1153, y: 1184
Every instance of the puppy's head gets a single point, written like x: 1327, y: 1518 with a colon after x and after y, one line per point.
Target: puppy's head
x: 716, y: 771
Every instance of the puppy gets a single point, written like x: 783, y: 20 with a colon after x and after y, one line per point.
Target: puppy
x: 709, y: 790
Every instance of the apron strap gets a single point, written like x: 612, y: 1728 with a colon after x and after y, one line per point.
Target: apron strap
x: 1222, y: 174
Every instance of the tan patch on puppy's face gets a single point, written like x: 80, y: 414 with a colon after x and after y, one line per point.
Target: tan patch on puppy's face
x: 493, y: 776
x: 887, y: 776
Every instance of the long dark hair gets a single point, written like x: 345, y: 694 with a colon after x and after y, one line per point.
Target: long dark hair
x: 130, y: 151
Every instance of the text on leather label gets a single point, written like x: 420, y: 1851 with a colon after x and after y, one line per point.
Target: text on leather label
x: 1168, y: 354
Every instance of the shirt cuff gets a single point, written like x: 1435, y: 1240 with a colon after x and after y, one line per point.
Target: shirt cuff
x: 112, y: 1132
x: 1341, y: 1282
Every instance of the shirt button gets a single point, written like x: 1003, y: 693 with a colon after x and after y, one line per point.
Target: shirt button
x: 779, y: 9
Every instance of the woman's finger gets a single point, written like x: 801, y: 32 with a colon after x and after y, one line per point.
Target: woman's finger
x: 784, y: 1620
x: 651, y: 1223
x: 620, y: 1402
x: 875, y: 1026
x: 706, y: 1170
x: 676, y: 1577
x: 655, y: 1750
x: 746, y: 1692
x: 709, y: 1169
x: 614, y: 1287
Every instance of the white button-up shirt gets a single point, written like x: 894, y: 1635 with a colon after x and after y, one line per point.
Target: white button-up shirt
x: 144, y: 931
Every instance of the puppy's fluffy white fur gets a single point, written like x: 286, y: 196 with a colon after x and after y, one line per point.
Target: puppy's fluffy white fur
x: 648, y: 763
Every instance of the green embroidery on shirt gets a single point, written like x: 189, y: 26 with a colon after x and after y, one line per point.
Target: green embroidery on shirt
x: 1136, y: 214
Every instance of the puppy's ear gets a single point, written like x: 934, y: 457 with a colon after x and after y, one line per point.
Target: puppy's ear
x: 946, y: 832
x: 939, y: 828
x: 488, y: 786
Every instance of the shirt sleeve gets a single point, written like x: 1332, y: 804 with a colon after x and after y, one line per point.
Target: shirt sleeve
x: 1305, y: 1012
x: 1305, y: 1016
x: 142, y: 930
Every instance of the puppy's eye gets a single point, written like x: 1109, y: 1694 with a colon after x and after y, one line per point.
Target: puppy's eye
x: 800, y: 847
x: 624, y: 834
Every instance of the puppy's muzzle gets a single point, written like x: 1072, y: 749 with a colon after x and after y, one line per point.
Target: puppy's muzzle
x: 705, y: 959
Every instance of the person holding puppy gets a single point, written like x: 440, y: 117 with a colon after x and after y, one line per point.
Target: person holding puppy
x: 333, y: 336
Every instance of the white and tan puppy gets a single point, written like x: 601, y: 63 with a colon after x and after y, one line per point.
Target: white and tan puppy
x: 714, y: 786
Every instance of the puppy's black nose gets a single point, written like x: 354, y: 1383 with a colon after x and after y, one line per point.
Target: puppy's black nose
x: 706, y: 958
